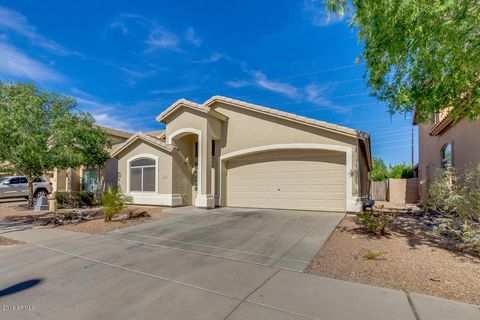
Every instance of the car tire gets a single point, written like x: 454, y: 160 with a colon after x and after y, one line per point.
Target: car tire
x: 40, y: 193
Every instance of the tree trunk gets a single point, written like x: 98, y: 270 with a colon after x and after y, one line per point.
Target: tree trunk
x: 30, y: 191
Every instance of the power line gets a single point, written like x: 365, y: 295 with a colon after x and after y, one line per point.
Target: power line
x: 283, y: 78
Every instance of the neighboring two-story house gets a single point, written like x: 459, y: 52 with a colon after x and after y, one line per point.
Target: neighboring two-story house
x: 226, y: 152
x: 442, y: 143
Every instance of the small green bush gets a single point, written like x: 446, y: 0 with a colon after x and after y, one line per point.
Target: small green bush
x: 77, y: 199
x: 375, y: 224
x: 113, y: 202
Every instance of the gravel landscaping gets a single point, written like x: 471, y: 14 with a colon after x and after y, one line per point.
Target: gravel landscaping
x: 93, y: 223
x: 8, y: 242
x: 411, y: 257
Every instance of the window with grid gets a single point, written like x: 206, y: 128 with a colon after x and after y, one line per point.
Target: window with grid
x: 142, y: 175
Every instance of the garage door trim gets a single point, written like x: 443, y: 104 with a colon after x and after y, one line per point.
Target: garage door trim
x: 351, y: 201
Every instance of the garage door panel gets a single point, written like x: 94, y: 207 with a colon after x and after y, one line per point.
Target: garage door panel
x: 298, y: 174
x: 332, y: 188
x: 300, y: 204
x: 288, y: 179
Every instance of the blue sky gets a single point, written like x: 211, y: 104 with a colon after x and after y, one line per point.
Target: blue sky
x: 125, y: 61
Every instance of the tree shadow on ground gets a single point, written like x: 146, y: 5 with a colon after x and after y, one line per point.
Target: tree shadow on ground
x: 21, y: 286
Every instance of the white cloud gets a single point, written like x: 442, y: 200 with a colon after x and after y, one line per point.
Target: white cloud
x: 238, y: 83
x: 317, y: 94
x: 17, y: 65
x: 262, y: 81
x: 214, y: 57
x: 174, y: 90
x: 315, y: 12
x: 110, y: 121
x: 162, y: 39
x: 133, y: 76
x: 192, y: 37
x: 101, y: 111
x: 17, y: 23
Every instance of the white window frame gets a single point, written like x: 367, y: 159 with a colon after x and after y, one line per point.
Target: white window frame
x: 136, y: 157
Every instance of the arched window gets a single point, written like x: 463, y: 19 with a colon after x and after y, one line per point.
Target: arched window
x: 142, y: 175
x: 447, y: 155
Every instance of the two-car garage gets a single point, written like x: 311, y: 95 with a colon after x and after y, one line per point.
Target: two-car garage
x: 302, y: 179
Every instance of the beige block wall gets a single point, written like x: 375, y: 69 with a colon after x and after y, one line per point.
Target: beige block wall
x: 465, y: 140
x: 403, y: 190
x: 164, y: 172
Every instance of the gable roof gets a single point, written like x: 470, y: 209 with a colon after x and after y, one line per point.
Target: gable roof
x: 144, y: 137
x: 206, y: 108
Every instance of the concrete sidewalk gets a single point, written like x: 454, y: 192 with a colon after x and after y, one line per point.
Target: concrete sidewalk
x: 64, y: 275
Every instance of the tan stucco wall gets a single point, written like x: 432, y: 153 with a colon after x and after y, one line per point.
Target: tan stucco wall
x: 465, y: 140
x: 183, y: 163
x: 164, y: 172
x: 186, y: 118
x: 403, y: 190
x: 363, y: 178
x: 247, y: 129
x: 109, y: 174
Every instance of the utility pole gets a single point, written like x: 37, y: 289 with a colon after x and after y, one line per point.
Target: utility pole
x: 413, y: 149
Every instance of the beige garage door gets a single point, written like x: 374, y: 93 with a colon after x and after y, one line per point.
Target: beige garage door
x: 288, y: 179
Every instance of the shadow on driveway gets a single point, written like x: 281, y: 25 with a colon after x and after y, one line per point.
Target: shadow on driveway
x: 20, y: 287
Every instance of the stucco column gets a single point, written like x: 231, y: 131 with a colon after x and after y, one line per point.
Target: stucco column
x: 205, y: 198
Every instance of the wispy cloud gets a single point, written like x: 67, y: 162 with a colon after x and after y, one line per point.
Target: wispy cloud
x: 17, y: 65
x: 262, y: 81
x: 192, y: 37
x: 317, y: 94
x: 174, y: 90
x: 105, y: 114
x: 150, y: 32
x: 134, y: 76
x: 107, y: 120
x: 238, y: 83
x: 214, y: 57
x: 159, y: 38
x: 12, y: 21
x: 314, y: 11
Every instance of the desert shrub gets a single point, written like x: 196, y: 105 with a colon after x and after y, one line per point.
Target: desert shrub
x: 373, y: 255
x: 456, y: 196
x: 375, y: 223
x: 457, y: 192
x: 78, y: 199
x: 113, y: 202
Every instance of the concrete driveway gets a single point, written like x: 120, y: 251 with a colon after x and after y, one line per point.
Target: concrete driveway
x: 220, y: 264
x: 280, y: 238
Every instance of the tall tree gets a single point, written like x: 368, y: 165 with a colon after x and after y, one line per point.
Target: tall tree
x: 420, y: 54
x: 40, y: 131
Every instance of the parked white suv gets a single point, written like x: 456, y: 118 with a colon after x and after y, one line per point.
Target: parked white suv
x: 17, y: 187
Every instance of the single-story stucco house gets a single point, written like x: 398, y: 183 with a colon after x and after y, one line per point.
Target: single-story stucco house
x: 227, y: 152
